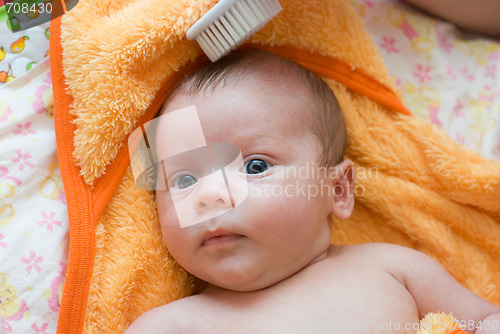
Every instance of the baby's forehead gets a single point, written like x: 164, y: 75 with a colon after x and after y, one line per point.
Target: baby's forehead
x: 242, y: 99
x: 260, y: 67
x: 263, y: 78
x: 271, y: 76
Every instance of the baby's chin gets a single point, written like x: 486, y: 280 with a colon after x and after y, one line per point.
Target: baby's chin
x: 248, y: 280
x: 242, y: 282
x: 240, y: 286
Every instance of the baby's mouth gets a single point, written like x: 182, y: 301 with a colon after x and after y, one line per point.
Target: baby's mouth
x: 220, y: 238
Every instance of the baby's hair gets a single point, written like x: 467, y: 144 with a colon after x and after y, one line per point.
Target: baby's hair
x: 328, y: 122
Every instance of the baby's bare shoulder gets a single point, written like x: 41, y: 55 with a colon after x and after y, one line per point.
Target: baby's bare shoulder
x: 376, y: 252
x: 375, y: 248
x: 175, y: 317
x: 380, y: 251
x: 397, y: 260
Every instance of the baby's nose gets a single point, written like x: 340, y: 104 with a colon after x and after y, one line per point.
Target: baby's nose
x: 213, y: 194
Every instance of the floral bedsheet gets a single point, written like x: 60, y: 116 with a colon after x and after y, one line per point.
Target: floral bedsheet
x: 447, y: 76
x: 33, y: 214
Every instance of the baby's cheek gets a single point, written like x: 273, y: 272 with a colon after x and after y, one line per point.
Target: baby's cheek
x: 293, y: 201
x: 267, y: 205
x: 166, y: 210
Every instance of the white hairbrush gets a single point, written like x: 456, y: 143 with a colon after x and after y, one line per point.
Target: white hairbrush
x: 229, y: 23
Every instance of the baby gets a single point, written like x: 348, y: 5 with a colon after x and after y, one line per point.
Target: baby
x: 267, y: 257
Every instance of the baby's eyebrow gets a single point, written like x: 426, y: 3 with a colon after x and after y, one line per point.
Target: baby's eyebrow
x: 259, y: 138
x: 247, y: 142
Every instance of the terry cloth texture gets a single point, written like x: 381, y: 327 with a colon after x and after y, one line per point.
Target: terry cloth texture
x: 113, y: 65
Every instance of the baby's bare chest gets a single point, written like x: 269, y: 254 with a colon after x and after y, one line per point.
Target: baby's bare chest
x: 362, y: 302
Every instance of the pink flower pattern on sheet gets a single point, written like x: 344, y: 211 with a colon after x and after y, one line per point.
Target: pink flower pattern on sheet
x: 42, y: 329
x: 22, y: 160
x: 49, y: 220
x: 24, y: 129
x: 422, y: 73
x: 388, y: 44
x: 33, y: 262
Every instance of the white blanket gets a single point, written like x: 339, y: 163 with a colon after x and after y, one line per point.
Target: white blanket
x: 33, y: 215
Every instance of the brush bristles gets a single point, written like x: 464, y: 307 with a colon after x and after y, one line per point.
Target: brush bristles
x: 237, y: 24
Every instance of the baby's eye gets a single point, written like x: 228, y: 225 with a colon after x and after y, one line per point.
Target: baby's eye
x: 256, y: 166
x: 185, y: 181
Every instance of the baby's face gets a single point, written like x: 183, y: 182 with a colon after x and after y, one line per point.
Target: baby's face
x: 283, y: 223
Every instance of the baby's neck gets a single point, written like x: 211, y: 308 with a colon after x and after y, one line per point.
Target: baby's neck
x: 214, y: 289
x: 318, y: 258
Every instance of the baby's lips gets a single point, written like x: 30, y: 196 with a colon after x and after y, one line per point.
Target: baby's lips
x: 219, y: 236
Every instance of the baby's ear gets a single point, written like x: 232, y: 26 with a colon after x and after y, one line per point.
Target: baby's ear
x: 343, y: 190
